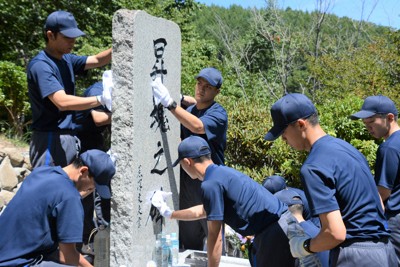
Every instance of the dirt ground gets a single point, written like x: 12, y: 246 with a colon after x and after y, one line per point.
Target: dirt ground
x: 7, y: 143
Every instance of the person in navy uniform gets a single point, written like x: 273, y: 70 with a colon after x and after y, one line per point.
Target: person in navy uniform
x: 339, y: 187
x: 209, y: 120
x: 380, y: 115
x: 51, y: 89
x: 44, y: 220
x: 231, y: 197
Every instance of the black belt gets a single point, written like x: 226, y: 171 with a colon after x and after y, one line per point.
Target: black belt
x: 349, y: 242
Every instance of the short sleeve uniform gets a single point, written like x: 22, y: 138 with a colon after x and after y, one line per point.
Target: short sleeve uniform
x: 336, y: 176
x: 387, y: 171
x: 239, y: 201
x: 89, y: 134
x: 46, y: 210
x: 47, y: 75
x: 215, y: 121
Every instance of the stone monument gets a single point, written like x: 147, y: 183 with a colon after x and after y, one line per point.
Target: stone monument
x: 145, y: 136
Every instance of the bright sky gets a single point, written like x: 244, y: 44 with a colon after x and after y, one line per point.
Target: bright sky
x: 381, y: 12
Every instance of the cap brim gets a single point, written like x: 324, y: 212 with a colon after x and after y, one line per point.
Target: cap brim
x: 176, y: 162
x: 207, y: 79
x: 73, y: 33
x: 274, y: 133
x: 363, y: 114
x: 103, y: 190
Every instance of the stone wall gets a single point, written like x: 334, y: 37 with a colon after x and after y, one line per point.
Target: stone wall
x: 14, y: 167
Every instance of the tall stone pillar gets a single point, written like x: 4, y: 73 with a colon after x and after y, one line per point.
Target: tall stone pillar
x: 144, y: 136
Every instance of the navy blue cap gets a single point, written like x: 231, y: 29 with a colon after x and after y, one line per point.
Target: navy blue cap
x: 375, y: 105
x: 274, y: 183
x: 288, y: 109
x: 212, y: 75
x: 289, y: 197
x: 192, y: 147
x: 63, y: 22
x: 102, y: 168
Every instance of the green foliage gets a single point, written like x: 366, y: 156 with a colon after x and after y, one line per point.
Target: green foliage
x: 247, y: 151
x: 13, y: 95
x: 261, y: 54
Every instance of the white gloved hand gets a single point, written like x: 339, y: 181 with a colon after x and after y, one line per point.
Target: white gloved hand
x: 158, y: 201
x: 165, y: 211
x: 296, y: 246
x: 296, y: 236
x: 161, y: 93
x: 105, y: 98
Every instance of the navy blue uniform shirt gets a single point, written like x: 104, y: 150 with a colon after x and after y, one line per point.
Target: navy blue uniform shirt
x: 239, y: 201
x: 336, y: 176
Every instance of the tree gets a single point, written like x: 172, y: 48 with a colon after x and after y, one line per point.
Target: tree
x: 13, y: 96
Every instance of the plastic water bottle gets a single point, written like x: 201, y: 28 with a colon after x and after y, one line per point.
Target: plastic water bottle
x: 168, y: 242
x: 102, y: 247
x: 166, y: 252
x: 174, y: 249
x: 157, y: 253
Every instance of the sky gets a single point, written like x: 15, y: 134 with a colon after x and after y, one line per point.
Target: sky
x: 381, y: 12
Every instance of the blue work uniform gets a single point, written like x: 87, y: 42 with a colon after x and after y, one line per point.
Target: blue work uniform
x: 215, y: 121
x: 336, y: 176
x: 387, y: 175
x: 53, y: 141
x: 45, y: 211
x: 91, y: 137
x: 249, y: 209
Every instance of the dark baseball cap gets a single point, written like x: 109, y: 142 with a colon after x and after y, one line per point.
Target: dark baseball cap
x: 212, y: 75
x: 375, y: 105
x: 274, y: 183
x: 286, y: 110
x: 63, y: 22
x: 192, y: 147
x: 102, y: 168
x: 289, y: 197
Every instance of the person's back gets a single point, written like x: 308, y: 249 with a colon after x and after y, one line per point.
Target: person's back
x: 247, y: 208
x: 339, y: 187
x: 348, y: 185
x: 46, y: 201
x: 243, y: 204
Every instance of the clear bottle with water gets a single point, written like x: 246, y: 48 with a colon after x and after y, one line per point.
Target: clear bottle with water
x: 166, y: 252
x: 174, y: 249
x: 157, y: 253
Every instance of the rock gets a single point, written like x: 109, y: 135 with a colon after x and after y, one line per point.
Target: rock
x: 21, y: 173
x: 6, y: 196
x: 8, y: 178
x: 16, y: 157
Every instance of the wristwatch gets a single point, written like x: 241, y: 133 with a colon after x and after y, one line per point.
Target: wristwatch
x: 172, y: 106
x: 306, y: 245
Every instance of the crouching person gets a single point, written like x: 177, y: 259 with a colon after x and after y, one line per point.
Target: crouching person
x: 44, y: 220
x: 235, y: 199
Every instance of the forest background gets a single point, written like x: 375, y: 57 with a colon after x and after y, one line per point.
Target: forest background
x: 262, y: 54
